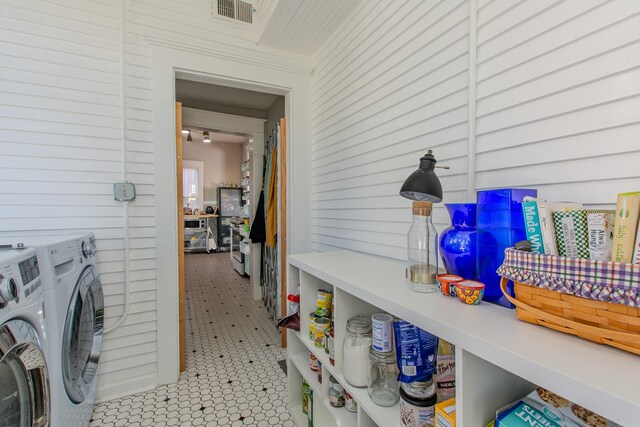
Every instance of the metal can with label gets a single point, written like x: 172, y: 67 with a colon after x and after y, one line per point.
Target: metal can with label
x: 336, y: 393
x: 382, y: 332
x: 329, y: 345
x: 350, y: 403
x: 321, y: 325
x: 312, y: 325
x: 313, y: 362
x: 323, y: 303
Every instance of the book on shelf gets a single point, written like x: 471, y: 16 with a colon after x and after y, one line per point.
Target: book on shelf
x: 545, y: 211
x: 600, y: 230
x: 571, y: 233
x: 625, y: 226
x: 532, y: 224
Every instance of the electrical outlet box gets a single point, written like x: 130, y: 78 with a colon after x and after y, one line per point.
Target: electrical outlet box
x: 124, y: 191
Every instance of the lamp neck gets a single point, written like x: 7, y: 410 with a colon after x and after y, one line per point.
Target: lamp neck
x: 428, y: 162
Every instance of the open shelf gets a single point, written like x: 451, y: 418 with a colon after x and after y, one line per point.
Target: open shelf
x: 498, y: 358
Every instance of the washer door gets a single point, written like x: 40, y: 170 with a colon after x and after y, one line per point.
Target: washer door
x: 82, y: 339
x: 24, y: 379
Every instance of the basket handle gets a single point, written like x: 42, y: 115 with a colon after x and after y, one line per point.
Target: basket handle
x: 558, y: 323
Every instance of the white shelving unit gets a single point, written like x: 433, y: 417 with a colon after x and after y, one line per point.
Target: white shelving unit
x: 498, y: 358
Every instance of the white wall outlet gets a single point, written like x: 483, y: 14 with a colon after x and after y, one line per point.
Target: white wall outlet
x: 124, y: 191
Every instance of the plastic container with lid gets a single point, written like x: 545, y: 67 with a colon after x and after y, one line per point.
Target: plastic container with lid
x: 355, y: 351
x: 417, y: 411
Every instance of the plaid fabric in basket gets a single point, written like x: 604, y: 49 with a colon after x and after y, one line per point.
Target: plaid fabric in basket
x: 614, y: 282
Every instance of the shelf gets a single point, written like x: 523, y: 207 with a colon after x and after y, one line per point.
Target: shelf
x: 490, y: 339
x: 343, y: 417
x: 381, y: 415
x: 301, y: 361
x: 299, y: 417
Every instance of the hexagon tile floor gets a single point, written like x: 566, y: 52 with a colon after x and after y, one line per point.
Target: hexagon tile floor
x: 232, y: 377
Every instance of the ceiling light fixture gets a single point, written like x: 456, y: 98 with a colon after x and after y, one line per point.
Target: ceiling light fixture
x: 189, y: 138
x: 205, y: 136
x: 185, y: 131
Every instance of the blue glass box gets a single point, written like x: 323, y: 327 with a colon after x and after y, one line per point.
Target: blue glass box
x: 500, y: 225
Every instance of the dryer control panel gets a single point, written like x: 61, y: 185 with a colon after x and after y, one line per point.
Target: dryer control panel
x: 19, y: 277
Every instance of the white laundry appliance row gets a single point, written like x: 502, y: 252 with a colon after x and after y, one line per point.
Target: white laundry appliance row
x: 51, y: 289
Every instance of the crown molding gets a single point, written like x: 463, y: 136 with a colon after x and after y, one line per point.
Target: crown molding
x: 303, y: 68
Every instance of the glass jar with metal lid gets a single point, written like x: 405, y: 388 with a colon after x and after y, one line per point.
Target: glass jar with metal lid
x: 355, y: 351
x: 382, y: 381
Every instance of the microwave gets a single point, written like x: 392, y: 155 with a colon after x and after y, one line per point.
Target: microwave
x: 195, y: 224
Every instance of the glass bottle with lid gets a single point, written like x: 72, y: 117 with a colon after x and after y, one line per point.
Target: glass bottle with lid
x: 422, y: 244
x: 355, y: 351
x: 382, y: 381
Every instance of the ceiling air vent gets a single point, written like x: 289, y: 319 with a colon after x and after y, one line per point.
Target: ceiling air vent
x: 235, y: 9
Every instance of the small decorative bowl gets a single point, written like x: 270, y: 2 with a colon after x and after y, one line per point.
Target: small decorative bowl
x: 447, y: 284
x: 470, y: 292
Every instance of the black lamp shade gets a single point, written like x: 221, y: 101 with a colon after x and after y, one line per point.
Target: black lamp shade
x: 423, y: 184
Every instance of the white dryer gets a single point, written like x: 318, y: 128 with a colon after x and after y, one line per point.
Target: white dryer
x: 74, y: 308
x: 24, y: 379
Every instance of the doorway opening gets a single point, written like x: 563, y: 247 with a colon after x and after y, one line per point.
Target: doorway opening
x: 222, y: 137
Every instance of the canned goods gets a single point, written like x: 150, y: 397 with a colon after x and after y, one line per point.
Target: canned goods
x: 319, y: 372
x: 382, y: 332
x: 312, y: 321
x: 323, y: 303
x: 350, y: 403
x: 321, y: 325
x: 313, y: 362
x: 329, y: 345
x: 336, y: 393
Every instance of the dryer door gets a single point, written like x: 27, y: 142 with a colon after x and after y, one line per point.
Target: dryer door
x: 24, y: 380
x: 82, y: 335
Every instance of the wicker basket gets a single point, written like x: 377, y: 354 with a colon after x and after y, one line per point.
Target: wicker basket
x: 602, y: 322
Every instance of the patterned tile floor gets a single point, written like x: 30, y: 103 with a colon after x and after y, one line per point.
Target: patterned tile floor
x: 232, y: 377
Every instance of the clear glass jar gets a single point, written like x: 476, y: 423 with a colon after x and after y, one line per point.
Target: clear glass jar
x: 382, y: 381
x: 422, y: 244
x: 355, y: 351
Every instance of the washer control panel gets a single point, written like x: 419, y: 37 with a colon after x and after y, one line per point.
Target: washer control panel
x: 19, y: 277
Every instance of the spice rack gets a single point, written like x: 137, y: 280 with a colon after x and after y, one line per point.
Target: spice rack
x: 498, y: 358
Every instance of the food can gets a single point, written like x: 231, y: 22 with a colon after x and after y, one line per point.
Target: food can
x: 319, y: 372
x: 350, y: 403
x: 329, y: 345
x: 323, y: 303
x: 382, y: 332
x: 313, y: 362
x: 336, y: 393
x: 312, y: 321
x: 417, y: 412
x: 321, y: 325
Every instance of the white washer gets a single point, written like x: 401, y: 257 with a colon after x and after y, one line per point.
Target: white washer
x: 24, y: 379
x: 74, y: 323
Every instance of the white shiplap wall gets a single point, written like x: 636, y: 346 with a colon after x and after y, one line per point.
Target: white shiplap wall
x: 385, y: 88
x: 60, y: 142
x: 557, y: 108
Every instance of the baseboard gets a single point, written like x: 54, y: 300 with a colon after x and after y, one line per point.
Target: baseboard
x: 120, y: 389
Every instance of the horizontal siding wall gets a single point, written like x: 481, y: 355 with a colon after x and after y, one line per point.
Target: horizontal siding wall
x: 558, y: 105
x: 387, y: 87
x: 60, y: 147
x: 557, y: 108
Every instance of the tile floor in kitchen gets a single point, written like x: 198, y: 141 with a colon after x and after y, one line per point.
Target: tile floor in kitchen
x: 232, y: 377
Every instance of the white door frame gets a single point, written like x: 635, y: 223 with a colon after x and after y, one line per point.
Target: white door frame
x: 262, y: 72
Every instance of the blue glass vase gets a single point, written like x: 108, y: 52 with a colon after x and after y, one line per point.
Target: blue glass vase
x: 500, y: 225
x: 458, y: 242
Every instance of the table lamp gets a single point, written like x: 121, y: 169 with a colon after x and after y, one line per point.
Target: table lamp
x: 423, y: 187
